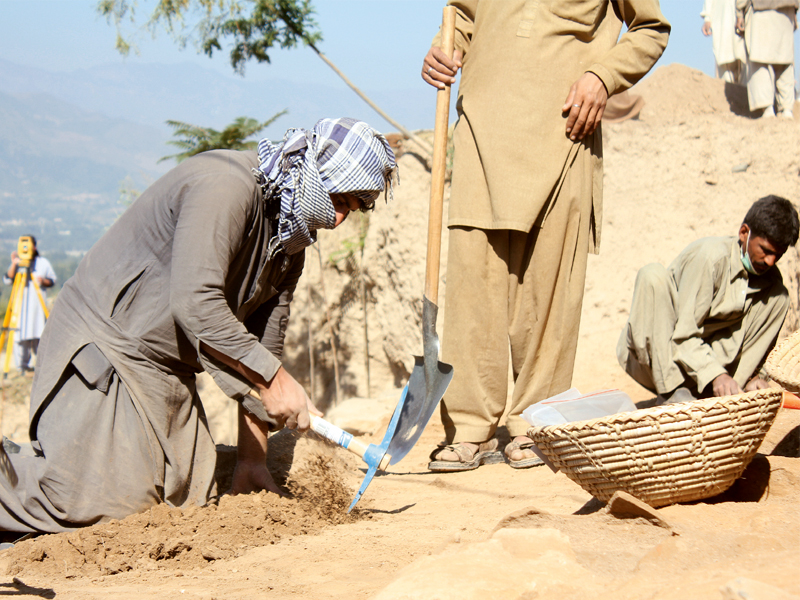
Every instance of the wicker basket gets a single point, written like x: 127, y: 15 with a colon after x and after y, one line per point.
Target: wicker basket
x: 783, y: 363
x: 666, y: 454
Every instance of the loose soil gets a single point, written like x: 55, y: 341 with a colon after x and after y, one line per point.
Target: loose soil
x: 689, y: 167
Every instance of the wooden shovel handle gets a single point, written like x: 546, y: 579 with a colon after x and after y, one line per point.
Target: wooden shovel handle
x: 439, y: 165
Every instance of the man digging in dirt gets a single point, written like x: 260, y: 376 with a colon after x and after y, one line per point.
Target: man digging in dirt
x: 197, y: 274
x: 703, y: 326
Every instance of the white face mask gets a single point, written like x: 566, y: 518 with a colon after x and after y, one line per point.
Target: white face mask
x: 746, y: 263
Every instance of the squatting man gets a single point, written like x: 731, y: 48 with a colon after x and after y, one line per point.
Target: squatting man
x: 198, y: 274
x: 703, y: 326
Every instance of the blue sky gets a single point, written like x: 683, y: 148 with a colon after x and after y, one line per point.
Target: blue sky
x: 379, y: 44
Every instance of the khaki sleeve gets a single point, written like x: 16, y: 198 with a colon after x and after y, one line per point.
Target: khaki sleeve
x: 465, y: 24
x: 762, y: 324
x: 638, y: 48
x: 699, y: 278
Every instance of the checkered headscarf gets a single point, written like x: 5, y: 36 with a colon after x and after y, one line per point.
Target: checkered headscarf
x: 337, y: 156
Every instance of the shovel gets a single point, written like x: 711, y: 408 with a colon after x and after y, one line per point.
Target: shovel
x: 430, y: 377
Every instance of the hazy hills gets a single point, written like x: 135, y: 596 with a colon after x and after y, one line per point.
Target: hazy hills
x: 61, y: 168
x: 69, y: 140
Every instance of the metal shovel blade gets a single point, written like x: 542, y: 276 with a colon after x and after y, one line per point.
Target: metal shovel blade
x: 426, y: 386
x: 375, y: 454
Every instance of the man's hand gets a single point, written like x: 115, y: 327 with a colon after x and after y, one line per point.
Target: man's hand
x: 287, y: 402
x: 739, y: 25
x: 725, y: 385
x: 283, y: 398
x: 585, y: 104
x: 438, y: 69
x: 253, y: 477
x: 706, y: 29
x: 756, y: 383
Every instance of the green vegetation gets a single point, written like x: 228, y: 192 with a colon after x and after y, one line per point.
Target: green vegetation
x: 200, y: 139
x: 251, y: 27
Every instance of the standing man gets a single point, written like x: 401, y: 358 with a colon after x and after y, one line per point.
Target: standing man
x: 197, y: 274
x: 719, y: 22
x: 768, y: 27
x: 704, y: 326
x: 32, y: 317
x: 526, y: 199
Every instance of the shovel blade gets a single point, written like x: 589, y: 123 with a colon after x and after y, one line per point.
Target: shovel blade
x: 422, y: 395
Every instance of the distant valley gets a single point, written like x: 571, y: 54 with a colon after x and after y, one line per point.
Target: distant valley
x: 69, y: 142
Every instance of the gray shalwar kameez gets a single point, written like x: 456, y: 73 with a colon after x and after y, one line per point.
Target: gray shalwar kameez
x: 116, y: 422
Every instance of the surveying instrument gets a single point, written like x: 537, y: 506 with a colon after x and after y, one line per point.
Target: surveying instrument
x: 16, y: 313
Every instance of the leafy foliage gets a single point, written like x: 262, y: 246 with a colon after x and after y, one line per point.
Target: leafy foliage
x: 252, y: 27
x: 200, y: 139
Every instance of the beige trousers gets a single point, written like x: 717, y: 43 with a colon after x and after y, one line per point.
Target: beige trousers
x: 518, y: 290
x: 770, y: 85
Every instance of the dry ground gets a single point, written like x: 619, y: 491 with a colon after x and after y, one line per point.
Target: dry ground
x: 688, y: 168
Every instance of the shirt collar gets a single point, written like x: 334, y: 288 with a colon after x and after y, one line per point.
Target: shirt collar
x: 737, y: 268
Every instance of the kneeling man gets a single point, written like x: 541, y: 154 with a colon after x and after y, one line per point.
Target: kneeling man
x: 197, y: 275
x: 703, y: 326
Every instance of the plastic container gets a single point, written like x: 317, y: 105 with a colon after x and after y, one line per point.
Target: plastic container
x: 571, y: 406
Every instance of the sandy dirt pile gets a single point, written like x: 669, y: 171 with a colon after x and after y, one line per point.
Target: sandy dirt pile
x: 172, y: 538
x: 689, y: 167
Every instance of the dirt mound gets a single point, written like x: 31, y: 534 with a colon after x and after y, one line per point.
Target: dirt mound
x: 677, y: 91
x: 174, y: 538
x: 689, y: 167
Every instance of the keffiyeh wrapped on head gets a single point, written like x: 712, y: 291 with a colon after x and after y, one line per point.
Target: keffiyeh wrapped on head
x: 337, y: 156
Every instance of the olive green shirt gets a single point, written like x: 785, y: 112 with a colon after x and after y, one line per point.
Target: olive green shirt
x: 714, y: 292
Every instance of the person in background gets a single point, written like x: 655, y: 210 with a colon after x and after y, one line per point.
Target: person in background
x: 768, y: 27
x: 703, y: 326
x: 31, y: 312
x: 719, y: 22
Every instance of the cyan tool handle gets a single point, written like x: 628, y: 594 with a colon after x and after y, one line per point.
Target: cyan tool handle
x: 369, y: 453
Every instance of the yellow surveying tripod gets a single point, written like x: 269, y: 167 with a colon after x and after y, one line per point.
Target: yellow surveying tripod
x: 16, y: 305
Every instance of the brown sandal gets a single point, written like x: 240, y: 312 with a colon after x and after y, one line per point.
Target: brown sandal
x: 468, y: 459
x: 522, y: 463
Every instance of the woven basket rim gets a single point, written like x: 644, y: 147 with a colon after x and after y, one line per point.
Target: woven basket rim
x: 663, y: 454
x: 635, y: 417
x: 783, y: 363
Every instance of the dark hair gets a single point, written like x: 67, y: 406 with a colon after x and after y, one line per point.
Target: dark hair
x: 775, y: 219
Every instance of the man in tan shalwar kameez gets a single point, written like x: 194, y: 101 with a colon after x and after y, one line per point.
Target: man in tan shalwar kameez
x: 703, y: 326
x: 768, y: 27
x: 526, y: 200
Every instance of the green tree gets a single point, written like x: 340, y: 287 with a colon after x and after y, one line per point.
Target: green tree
x: 193, y: 139
x: 251, y: 27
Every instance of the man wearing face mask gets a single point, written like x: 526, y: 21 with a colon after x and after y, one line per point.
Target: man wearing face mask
x: 703, y: 326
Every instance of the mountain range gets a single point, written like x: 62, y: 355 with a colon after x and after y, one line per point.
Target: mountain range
x: 71, y: 141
